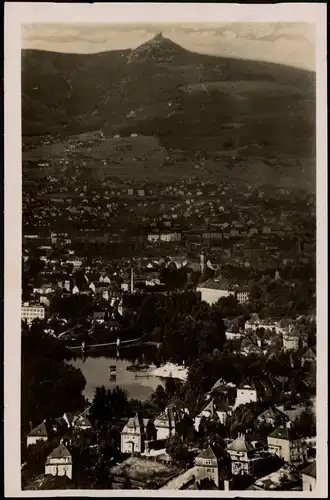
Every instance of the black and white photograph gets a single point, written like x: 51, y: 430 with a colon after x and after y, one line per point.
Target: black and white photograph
x: 169, y: 335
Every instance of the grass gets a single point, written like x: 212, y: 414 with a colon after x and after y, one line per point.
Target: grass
x: 140, y: 469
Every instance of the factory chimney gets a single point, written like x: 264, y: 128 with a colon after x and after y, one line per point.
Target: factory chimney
x: 132, y: 280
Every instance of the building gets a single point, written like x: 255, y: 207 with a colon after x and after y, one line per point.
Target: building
x: 283, y: 443
x: 77, y: 420
x: 217, y: 410
x: 214, y: 464
x: 39, y: 433
x: 29, y: 312
x: 166, y: 422
x: 309, y: 357
x: 59, y: 462
x: 243, y: 456
x: 211, y: 295
x: 246, y: 393
x: 308, y: 476
x: 285, y: 478
x: 272, y: 416
x: 135, y: 434
x: 291, y: 339
x: 242, y: 295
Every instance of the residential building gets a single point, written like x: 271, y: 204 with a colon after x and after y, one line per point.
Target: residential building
x: 214, y: 464
x: 211, y: 294
x: 29, y: 312
x: 309, y: 357
x: 217, y: 410
x: 283, y: 443
x: 39, y: 433
x: 272, y: 416
x: 59, y: 462
x: 242, y: 295
x: 246, y: 393
x: 284, y: 478
x: 308, y: 476
x: 77, y: 420
x: 291, y: 339
x: 244, y: 456
x: 135, y: 434
x: 166, y: 422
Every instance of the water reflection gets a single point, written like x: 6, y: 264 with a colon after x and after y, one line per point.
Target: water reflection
x: 95, y: 366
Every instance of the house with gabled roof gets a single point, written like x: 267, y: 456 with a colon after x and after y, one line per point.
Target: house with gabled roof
x: 135, y: 433
x: 308, y: 476
x: 39, y: 433
x: 59, y: 462
x: 309, y: 356
x: 246, y: 393
x: 217, y: 410
x: 167, y: 420
x: 284, y: 443
x: 214, y: 463
x: 243, y: 456
x: 77, y: 420
x: 272, y: 416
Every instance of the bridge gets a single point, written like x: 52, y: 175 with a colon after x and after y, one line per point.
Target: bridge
x: 123, y: 343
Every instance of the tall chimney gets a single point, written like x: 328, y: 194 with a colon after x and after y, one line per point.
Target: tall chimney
x: 132, y: 280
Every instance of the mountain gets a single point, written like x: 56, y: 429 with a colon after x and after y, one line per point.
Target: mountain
x: 159, y: 50
x: 194, y: 102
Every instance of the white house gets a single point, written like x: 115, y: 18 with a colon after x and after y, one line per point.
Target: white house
x: 212, y: 295
x: 29, y: 312
x: 246, y: 393
x: 39, y: 433
x: 135, y: 434
x: 243, y: 456
x: 283, y: 443
x: 308, y: 476
x: 59, y: 462
x: 217, y: 410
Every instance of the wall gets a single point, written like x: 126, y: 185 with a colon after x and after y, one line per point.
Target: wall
x: 279, y: 447
x: 211, y: 296
x: 34, y: 439
x: 126, y: 443
x: 59, y: 470
x: 309, y: 483
x: 245, y: 396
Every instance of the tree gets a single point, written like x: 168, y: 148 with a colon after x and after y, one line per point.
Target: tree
x: 159, y: 399
x: 177, y: 450
x: 305, y: 425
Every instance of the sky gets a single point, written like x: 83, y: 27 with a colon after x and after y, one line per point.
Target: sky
x: 284, y: 43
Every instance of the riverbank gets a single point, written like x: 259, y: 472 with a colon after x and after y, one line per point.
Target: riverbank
x: 171, y: 370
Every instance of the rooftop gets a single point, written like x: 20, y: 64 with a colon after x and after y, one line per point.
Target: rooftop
x: 240, y: 444
x: 310, y: 470
x: 39, y: 431
x: 60, y: 452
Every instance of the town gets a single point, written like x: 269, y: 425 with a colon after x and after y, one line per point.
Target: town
x: 209, y: 289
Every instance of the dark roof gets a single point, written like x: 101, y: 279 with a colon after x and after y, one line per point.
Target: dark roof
x: 282, y: 432
x: 60, y: 452
x: 212, y: 452
x: 310, y: 470
x: 246, y: 384
x: 273, y: 413
x: 39, y: 431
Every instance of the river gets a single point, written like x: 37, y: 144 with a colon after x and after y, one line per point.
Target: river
x: 95, y: 369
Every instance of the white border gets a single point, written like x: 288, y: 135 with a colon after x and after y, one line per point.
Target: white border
x: 17, y: 13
